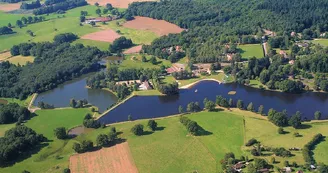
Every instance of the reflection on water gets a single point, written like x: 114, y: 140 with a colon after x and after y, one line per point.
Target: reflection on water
x: 60, y: 96
x: 141, y: 107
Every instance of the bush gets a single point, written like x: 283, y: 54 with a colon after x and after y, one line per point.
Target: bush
x: 307, y: 153
x: 102, y: 140
x: 281, y: 130
x: 65, y: 37
x: 60, y: 133
x: 282, y: 152
x: 137, y: 129
x: 152, y: 124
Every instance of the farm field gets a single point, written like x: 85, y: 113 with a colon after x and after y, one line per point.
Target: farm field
x: 107, y: 35
x: 115, y: 159
x: 9, y: 7
x: 160, y: 27
x: 250, y: 50
x: 137, y: 36
x: 99, y: 44
x: 323, y: 42
x: 132, y: 50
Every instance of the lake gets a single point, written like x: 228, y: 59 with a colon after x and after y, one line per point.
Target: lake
x: 141, y: 107
x: 60, y: 96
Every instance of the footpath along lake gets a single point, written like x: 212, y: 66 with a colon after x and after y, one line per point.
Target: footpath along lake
x: 141, y: 107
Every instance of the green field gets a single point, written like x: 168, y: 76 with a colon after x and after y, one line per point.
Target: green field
x: 323, y: 42
x: 22, y: 60
x: 62, y: 23
x: 171, y: 148
x: 54, y: 156
x: 20, y: 102
x: 251, y: 50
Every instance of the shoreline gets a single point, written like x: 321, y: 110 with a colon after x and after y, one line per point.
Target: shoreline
x: 188, y: 86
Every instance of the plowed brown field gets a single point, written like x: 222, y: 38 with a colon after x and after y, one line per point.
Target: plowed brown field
x: 107, y: 35
x: 115, y: 3
x: 115, y: 159
x: 160, y: 27
x: 9, y: 7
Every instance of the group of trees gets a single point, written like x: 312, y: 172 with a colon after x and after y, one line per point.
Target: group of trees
x: 89, y: 122
x: 182, y: 75
x: 32, y: 5
x: 47, y: 71
x: 17, y: 141
x: 84, y: 146
x: 104, y: 140
x: 78, y: 103
x: 51, y: 2
x: 60, y: 133
x: 120, y: 44
x: 307, y: 149
x: 60, y: 6
x: 192, y: 126
x: 28, y: 20
x: 169, y: 89
x: 44, y: 105
x: 5, y: 30
x: 12, y: 112
x: 65, y: 37
x: 281, y: 118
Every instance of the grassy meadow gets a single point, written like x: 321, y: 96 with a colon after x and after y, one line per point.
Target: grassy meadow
x: 323, y: 42
x: 134, y: 60
x: 250, y: 50
x: 171, y: 148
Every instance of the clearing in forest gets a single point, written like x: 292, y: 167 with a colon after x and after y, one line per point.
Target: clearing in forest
x: 115, y: 159
x: 115, y: 3
x: 135, y: 49
x: 105, y: 36
x: 160, y: 27
x: 9, y: 7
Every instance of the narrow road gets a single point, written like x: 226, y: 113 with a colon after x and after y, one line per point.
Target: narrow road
x: 265, y: 48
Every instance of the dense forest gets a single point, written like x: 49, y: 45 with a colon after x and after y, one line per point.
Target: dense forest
x: 54, y: 64
x: 212, y: 24
x: 12, y: 112
x: 32, y: 5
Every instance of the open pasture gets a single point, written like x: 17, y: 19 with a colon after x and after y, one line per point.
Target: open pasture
x: 251, y: 50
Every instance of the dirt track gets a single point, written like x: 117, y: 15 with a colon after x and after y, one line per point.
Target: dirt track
x: 160, y: 27
x: 107, y: 35
x: 115, y: 159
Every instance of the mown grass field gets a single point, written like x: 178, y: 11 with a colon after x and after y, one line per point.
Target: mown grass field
x: 22, y: 60
x: 20, y: 102
x: 251, y: 50
x: 323, y: 42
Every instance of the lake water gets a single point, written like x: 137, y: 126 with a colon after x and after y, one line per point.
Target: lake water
x: 60, y: 96
x: 141, y: 107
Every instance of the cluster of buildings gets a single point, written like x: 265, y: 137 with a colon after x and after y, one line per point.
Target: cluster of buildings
x: 100, y: 19
x: 145, y: 85
x: 171, y: 49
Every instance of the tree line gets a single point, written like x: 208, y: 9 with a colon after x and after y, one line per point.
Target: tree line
x: 5, y: 30
x: 47, y: 71
x: 32, y: 5
x: 60, y: 6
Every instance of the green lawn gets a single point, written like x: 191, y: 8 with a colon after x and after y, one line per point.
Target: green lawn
x: 251, y: 50
x: 323, y: 42
x: 22, y: 60
x: 171, y: 149
x: 25, y: 102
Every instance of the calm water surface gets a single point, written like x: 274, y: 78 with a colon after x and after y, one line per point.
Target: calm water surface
x: 60, y: 96
x: 141, y: 107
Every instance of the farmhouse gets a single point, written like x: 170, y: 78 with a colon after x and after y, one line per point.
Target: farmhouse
x: 283, y: 53
x: 176, y: 67
x: 199, y: 68
x: 100, y: 19
x: 145, y: 86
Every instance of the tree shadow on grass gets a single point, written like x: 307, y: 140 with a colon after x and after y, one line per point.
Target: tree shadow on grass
x: 203, y: 132
x: 159, y: 128
x: 25, y: 155
x: 147, y: 133
x: 305, y: 126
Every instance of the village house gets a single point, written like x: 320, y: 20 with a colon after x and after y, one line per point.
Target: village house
x: 230, y: 56
x: 238, y: 167
x: 128, y: 82
x: 293, y: 34
x: 286, y: 170
x: 264, y: 170
x: 145, y: 85
x: 283, y: 53
x: 171, y: 49
x: 198, y: 69
x: 302, y: 44
x: 291, y: 62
